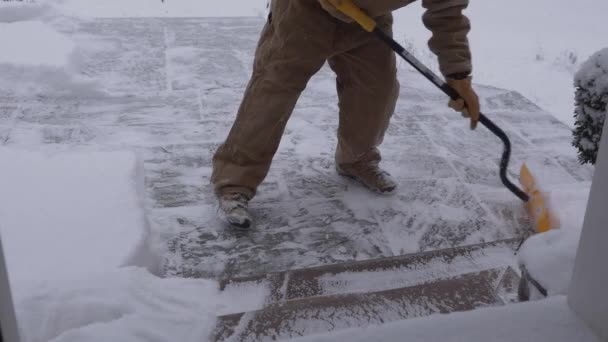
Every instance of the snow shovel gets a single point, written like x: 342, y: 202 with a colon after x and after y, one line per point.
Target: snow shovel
x: 534, y: 199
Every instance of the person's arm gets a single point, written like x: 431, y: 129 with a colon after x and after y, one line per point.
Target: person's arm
x: 449, y: 28
x: 449, y: 41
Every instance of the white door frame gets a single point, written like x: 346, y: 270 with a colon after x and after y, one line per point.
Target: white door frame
x: 588, y: 294
x: 8, y: 321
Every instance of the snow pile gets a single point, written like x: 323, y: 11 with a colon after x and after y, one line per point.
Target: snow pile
x: 549, y: 257
x: 548, y: 320
x: 36, y: 58
x: 126, y: 304
x: 129, y: 304
x: 74, y: 234
x: 166, y: 8
x: 591, y: 83
x: 70, y: 214
x: 50, y: 48
x: 12, y: 11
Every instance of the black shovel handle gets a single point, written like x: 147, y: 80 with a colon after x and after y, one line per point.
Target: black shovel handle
x: 449, y: 91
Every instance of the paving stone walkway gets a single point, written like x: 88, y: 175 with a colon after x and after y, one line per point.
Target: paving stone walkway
x: 173, y: 89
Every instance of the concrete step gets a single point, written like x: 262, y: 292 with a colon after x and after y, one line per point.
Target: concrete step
x: 322, y: 314
x: 386, y: 273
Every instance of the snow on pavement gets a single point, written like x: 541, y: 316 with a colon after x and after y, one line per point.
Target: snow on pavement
x: 548, y: 320
x: 520, y: 45
x: 40, y: 45
x: 172, y: 95
x: 172, y: 98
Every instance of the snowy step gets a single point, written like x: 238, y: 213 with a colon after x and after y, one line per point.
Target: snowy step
x: 384, y: 274
x: 322, y: 314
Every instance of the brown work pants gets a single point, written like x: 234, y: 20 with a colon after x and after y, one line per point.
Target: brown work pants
x: 297, y: 40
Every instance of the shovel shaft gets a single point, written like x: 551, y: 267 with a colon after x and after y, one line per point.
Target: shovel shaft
x: 449, y: 91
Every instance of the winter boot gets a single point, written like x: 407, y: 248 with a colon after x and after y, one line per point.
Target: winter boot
x: 369, y: 174
x: 234, y: 207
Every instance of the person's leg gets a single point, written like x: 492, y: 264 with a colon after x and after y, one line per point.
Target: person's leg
x: 293, y: 47
x: 368, y: 90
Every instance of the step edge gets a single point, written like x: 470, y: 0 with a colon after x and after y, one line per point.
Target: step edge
x: 373, y: 263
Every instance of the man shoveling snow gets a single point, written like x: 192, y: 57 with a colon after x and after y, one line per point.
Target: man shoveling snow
x: 298, y: 38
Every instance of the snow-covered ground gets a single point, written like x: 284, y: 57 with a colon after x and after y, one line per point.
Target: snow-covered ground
x: 67, y: 215
x: 127, y: 304
x: 41, y: 60
x: 132, y: 304
x: 532, y: 47
x: 75, y: 237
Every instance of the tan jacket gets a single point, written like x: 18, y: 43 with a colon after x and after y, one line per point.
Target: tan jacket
x: 447, y: 23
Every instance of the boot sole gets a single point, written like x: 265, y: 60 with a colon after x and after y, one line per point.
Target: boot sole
x: 241, y: 226
x: 245, y: 225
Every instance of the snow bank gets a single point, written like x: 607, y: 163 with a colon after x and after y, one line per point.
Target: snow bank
x: 37, y: 59
x: 549, y: 257
x: 69, y: 215
x: 548, y: 320
x: 33, y: 43
x: 12, y: 11
x: 74, y: 233
x: 126, y: 304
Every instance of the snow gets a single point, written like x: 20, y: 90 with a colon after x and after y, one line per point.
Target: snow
x: 516, y: 45
x: 127, y: 304
x: 38, y: 45
x: 548, y: 320
x: 79, y: 290
x: 12, y: 11
x: 41, y: 60
x: 74, y: 232
x: 549, y: 257
x: 66, y: 215
x: 531, y: 47
x: 168, y: 8
x: 416, y: 274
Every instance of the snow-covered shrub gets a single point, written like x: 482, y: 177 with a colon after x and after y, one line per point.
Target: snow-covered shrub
x: 591, y: 83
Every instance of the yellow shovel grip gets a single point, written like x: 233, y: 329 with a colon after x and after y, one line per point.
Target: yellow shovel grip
x: 351, y: 10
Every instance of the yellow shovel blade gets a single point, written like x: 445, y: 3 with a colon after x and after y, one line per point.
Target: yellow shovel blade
x: 537, y: 206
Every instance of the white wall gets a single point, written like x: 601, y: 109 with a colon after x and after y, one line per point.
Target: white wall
x: 588, y: 294
x: 7, y: 311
